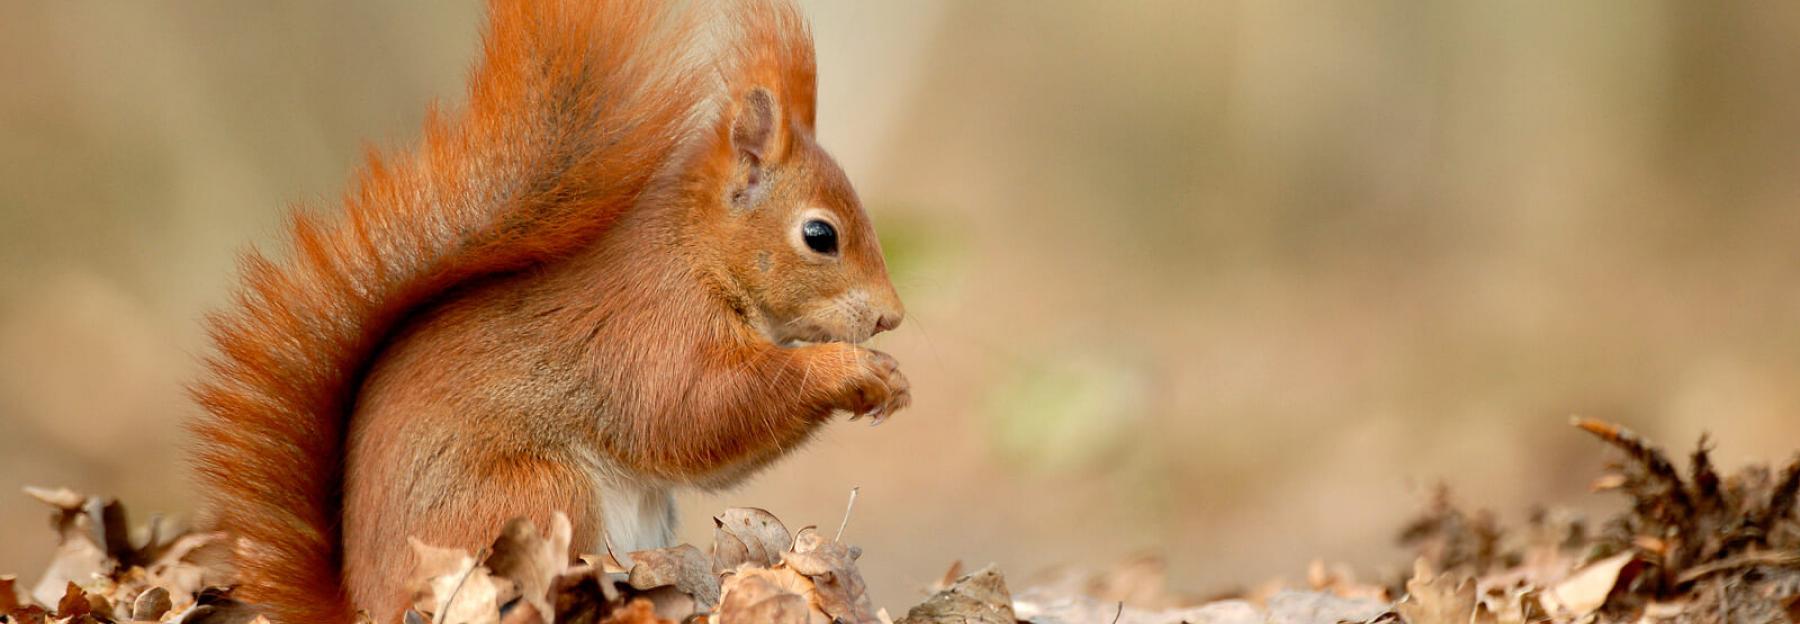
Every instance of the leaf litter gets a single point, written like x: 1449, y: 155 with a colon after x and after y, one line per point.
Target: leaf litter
x: 1693, y: 546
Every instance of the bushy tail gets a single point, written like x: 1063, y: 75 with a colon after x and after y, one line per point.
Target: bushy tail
x: 572, y: 108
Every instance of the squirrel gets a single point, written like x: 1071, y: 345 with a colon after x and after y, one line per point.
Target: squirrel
x: 625, y: 266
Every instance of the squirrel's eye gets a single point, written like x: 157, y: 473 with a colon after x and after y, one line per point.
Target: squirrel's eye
x: 820, y: 236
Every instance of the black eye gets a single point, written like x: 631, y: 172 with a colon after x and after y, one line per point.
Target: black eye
x: 820, y: 236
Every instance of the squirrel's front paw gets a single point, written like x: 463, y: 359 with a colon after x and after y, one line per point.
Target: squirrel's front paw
x: 878, y: 389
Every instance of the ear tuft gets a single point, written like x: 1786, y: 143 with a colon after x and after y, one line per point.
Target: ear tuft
x: 753, y: 133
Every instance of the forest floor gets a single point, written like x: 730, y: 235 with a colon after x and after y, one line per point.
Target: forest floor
x: 1691, y: 546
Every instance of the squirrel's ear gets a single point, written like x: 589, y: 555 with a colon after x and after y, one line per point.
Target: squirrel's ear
x: 754, y: 131
x: 754, y: 134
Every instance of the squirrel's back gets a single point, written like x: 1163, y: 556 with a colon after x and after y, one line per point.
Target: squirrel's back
x: 574, y: 108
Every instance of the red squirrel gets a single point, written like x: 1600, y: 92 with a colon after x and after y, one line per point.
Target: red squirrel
x: 625, y: 266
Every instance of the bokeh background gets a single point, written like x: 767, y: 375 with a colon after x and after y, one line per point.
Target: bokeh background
x: 1228, y: 282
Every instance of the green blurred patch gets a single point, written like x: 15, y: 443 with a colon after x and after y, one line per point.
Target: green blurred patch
x: 916, y: 250
x: 1064, y: 412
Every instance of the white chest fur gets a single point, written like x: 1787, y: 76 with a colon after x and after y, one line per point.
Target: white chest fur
x: 636, y: 516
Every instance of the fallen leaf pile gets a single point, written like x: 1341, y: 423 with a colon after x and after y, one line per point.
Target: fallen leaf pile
x: 1693, y: 547
x: 101, y: 574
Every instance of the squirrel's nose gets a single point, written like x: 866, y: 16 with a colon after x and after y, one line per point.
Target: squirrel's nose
x: 888, y: 321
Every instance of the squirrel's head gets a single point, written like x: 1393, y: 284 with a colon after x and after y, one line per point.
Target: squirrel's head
x: 799, y: 255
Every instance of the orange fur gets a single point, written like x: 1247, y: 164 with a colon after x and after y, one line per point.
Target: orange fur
x: 581, y: 290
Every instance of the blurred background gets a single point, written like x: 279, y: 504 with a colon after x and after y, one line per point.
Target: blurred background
x: 1230, y: 282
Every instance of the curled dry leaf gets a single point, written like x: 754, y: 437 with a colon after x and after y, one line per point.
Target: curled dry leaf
x: 748, y: 535
x: 81, y: 551
x: 1447, y: 598
x: 1586, y: 591
x: 774, y: 596
x: 471, y: 598
x: 838, y: 587
x: 60, y: 498
x: 671, y: 604
x: 429, y: 563
x: 447, y: 582
x: 530, y: 560
x: 74, y: 602
x: 682, y: 567
x: 581, y: 594
x: 151, y: 605
x: 979, y: 598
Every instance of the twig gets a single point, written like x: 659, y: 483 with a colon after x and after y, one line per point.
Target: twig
x: 851, y: 505
x: 1775, y: 558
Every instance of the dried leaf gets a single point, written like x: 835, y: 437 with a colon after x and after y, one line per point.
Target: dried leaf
x: 671, y: 604
x: 748, y: 535
x: 838, y: 587
x: 181, y: 548
x: 470, y: 598
x: 581, y: 594
x: 60, y: 498
x: 151, y: 605
x: 979, y: 598
x: 29, y: 614
x: 605, y: 562
x: 1586, y: 591
x: 430, y: 563
x: 683, y: 567
x: 74, y: 602
x: 529, y: 560
x: 76, y: 559
x: 1446, y: 598
x: 775, y: 596
x: 447, y: 582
